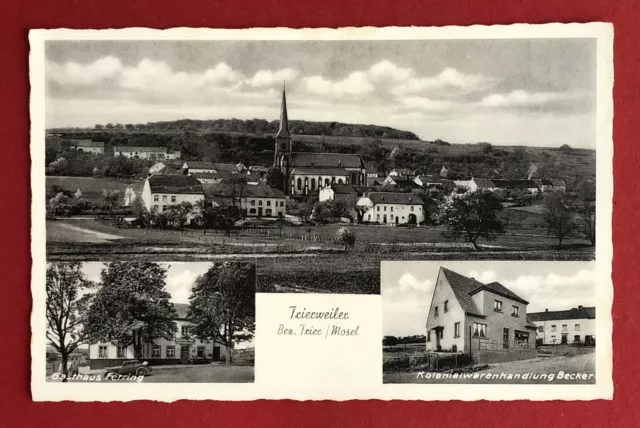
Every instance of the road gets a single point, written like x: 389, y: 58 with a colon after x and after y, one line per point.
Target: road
x: 541, y: 370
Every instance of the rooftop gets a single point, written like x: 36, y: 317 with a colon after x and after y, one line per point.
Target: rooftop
x: 140, y: 149
x: 174, y: 183
x: 395, y: 198
x: 326, y: 160
x: 581, y: 312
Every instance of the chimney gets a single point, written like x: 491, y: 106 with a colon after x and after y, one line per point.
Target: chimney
x: 546, y: 310
x: 580, y: 307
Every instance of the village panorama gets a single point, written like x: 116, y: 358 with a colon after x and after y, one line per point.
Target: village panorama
x: 308, y: 197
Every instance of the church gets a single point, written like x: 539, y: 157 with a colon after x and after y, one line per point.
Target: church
x: 307, y: 173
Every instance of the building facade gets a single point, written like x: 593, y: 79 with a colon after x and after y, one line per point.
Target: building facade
x: 148, y: 153
x: 391, y: 208
x: 160, y: 191
x: 183, y: 348
x: 466, y: 315
x: 88, y: 146
x: 575, y: 326
x: 255, y: 200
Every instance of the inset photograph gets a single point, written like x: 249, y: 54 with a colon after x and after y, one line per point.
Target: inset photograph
x: 150, y: 322
x: 488, y: 322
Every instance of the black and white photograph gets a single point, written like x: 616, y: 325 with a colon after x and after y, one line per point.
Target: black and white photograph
x: 320, y: 158
x: 137, y: 322
x: 489, y: 322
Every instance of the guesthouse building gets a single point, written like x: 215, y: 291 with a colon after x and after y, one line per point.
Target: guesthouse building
x: 576, y: 326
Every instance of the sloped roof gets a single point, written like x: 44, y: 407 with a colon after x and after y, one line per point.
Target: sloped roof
x: 516, y: 184
x: 394, y: 198
x: 222, y: 190
x: 409, y: 184
x: 174, y: 183
x: 326, y: 160
x: 200, y: 165
x: 320, y: 171
x: 500, y: 289
x: 588, y: 312
x: 529, y: 322
x: 343, y: 189
x: 484, y: 183
x: 462, y: 288
x: 86, y: 143
x: 140, y: 149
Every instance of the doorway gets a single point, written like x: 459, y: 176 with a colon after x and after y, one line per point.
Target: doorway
x: 260, y: 212
x: 505, y: 339
x: 216, y: 353
x: 184, y: 353
x: 413, y: 219
x: 564, y: 338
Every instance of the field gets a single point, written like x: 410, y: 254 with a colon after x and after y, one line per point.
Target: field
x: 91, y: 187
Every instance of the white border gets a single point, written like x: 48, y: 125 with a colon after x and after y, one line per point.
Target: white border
x: 603, y: 389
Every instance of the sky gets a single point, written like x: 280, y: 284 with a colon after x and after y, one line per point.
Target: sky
x: 538, y: 92
x: 407, y: 287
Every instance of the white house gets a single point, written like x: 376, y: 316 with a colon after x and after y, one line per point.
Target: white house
x: 391, y: 208
x: 150, y: 153
x: 197, y: 167
x: 161, y: 191
x: 181, y: 349
x: 576, y: 326
x: 88, y: 146
x: 475, y: 184
x: 255, y: 200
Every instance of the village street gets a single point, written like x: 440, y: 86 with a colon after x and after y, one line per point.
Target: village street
x: 580, y: 364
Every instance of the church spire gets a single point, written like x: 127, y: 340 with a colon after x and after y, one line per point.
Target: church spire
x: 283, y: 129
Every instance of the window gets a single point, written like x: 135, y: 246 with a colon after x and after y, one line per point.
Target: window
x: 156, y: 198
x: 411, y: 207
x: 260, y: 203
x: 441, y: 333
x: 515, y: 311
x: 564, y: 327
x: 282, y: 203
x: 184, y: 330
x: 497, y: 305
x: 391, y: 209
x: 299, y: 184
x: 313, y: 184
x: 170, y: 352
x: 428, y: 335
x: 378, y: 208
x: 368, y: 217
x: 391, y: 217
x: 268, y: 203
x: 435, y: 313
x: 267, y: 211
x: 253, y: 202
x: 121, y: 351
x: 456, y: 330
x: 541, y: 329
x: 252, y: 211
x: 576, y: 327
x: 553, y: 328
x: 200, y: 353
x: 327, y: 182
x: 522, y: 338
x: 155, y: 351
x: 164, y: 198
x: 156, y: 207
x: 446, y: 306
x: 385, y: 207
x: 378, y: 217
x: 479, y: 330
x: 102, y: 351
x: 173, y: 198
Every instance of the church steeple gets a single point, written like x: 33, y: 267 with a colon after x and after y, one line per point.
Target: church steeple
x: 283, y: 129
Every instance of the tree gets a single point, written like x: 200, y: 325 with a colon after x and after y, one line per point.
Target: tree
x: 389, y: 341
x: 346, y: 237
x: 586, y: 208
x: 110, y: 198
x: 218, y: 217
x: 179, y: 213
x: 328, y: 211
x: 275, y: 179
x: 131, y: 306
x: 558, y: 214
x: 565, y: 148
x: 59, y: 165
x: 98, y: 126
x: 470, y: 215
x: 66, y: 308
x: 140, y: 212
x: 222, y: 304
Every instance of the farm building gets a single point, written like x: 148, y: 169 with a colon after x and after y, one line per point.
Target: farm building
x: 572, y: 326
x: 160, y: 351
x: 88, y: 146
x: 257, y: 200
x: 466, y: 315
x: 475, y: 184
x: 433, y: 181
x: 150, y: 153
x: 196, y: 167
x: 391, y: 208
x: 338, y: 192
x: 160, y: 191
x: 526, y: 185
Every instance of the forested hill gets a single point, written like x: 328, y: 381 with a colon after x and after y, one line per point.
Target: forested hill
x: 261, y: 127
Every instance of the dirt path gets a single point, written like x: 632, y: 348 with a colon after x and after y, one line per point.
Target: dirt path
x: 98, y: 236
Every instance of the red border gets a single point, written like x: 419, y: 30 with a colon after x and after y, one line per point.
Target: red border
x: 16, y: 408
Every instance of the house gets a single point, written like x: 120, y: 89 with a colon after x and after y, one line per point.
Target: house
x: 575, y: 326
x: 531, y: 186
x: 549, y: 185
x: 258, y: 200
x: 88, y: 146
x: 160, y: 191
x: 391, y: 208
x: 150, y: 153
x: 402, y: 173
x: 475, y: 184
x: 160, y: 351
x: 395, y: 184
x: 433, y: 182
x: 338, y: 192
x: 306, y: 173
x: 467, y: 315
x: 191, y: 167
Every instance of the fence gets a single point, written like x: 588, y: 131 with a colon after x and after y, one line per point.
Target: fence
x: 485, y: 352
